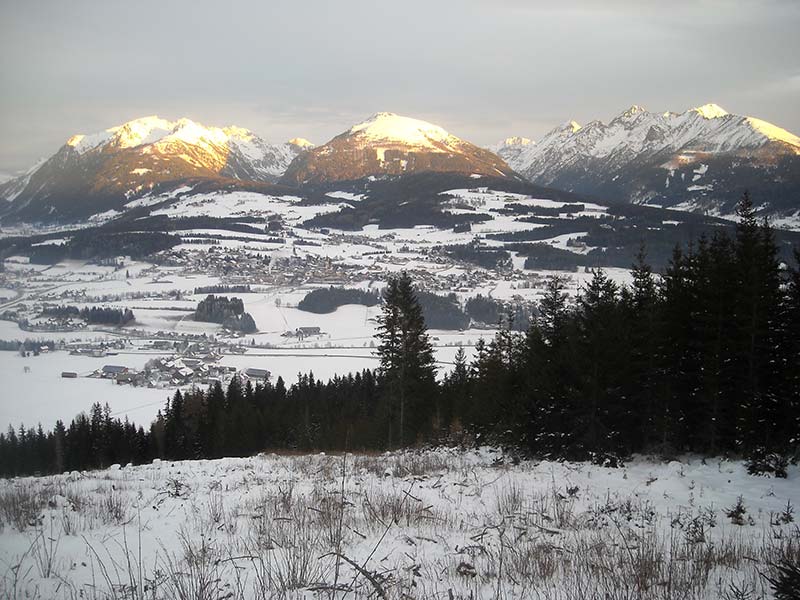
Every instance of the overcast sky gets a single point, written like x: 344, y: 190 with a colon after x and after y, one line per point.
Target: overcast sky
x: 484, y: 70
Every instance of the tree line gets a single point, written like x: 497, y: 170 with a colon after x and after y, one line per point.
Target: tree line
x: 703, y: 358
x: 95, y: 244
x: 327, y: 300
x: 228, y: 312
x: 93, y: 315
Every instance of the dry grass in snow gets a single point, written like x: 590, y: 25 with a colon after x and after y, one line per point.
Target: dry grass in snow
x: 435, y: 524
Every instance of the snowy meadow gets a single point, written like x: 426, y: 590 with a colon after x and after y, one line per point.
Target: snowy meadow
x: 415, y: 524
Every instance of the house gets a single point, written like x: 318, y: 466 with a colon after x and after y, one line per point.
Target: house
x: 129, y: 377
x: 253, y: 373
x: 111, y: 371
x: 303, y: 332
x: 184, y: 373
x: 69, y: 374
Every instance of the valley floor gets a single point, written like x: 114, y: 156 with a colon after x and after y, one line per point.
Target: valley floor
x: 427, y: 524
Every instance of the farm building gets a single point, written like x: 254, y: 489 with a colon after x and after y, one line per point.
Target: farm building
x: 111, y: 371
x: 304, y: 332
x: 253, y: 373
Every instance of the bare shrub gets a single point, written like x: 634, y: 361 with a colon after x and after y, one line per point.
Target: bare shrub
x: 21, y: 505
x: 113, y: 507
x: 198, y: 574
x: 286, y: 551
x: 509, y: 499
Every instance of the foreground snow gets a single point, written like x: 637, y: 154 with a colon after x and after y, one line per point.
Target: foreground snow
x: 431, y: 524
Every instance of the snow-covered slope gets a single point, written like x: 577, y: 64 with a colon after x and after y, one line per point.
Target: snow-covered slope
x: 511, y: 149
x: 104, y: 169
x: 390, y: 144
x: 424, y: 524
x: 702, y: 158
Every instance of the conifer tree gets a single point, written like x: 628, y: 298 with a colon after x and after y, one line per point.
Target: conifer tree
x: 642, y: 325
x: 407, y: 364
x: 789, y: 430
x: 600, y: 353
x: 712, y: 412
x: 757, y: 305
x: 59, y: 450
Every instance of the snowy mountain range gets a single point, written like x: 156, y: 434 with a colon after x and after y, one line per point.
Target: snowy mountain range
x: 101, y: 171
x: 701, y: 159
x: 390, y: 144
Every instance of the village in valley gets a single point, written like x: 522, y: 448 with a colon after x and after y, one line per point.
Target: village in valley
x: 151, y: 341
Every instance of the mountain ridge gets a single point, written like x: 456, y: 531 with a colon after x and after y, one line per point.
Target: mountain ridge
x: 700, y: 159
x: 105, y: 169
x: 391, y: 144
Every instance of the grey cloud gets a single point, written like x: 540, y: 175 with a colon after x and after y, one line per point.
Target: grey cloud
x: 484, y: 70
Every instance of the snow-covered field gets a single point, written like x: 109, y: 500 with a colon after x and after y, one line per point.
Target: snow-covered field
x: 428, y: 524
x: 43, y: 396
x: 161, y: 296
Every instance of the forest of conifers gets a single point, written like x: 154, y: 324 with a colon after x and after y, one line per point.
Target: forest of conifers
x: 704, y: 357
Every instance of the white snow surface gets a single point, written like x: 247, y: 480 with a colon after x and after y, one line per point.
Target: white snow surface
x: 386, y: 126
x: 638, y: 132
x: 28, y: 397
x: 424, y: 524
x: 153, y: 129
x: 169, y: 137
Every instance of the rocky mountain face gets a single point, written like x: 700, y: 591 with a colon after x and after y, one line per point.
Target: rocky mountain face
x: 701, y: 159
x: 389, y: 144
x: 102, y: 171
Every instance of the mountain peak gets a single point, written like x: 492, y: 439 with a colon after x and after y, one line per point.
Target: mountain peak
x: 117, y: 164
x: 635, y: 109
x: 710, y: 111
x: 301, y: 143
x: 153, y: 129
x: 144, y: 130
x: 774, y: 133
x: 393, y: 145
x: 395, y: 128
x: 516, y: 141
x: 567, y: 127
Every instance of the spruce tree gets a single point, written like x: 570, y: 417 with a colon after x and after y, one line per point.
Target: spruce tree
x: 550, y: 376
x: 641, y: 329
x: 758, y: 303
x: 676, y: 353
x: 59, y: 450
x: 407, y: 365
x: 711, y: 415
x: 601, y: 355
x: 789, y: 430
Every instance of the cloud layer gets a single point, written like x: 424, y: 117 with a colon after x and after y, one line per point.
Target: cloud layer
x: 483, y: 70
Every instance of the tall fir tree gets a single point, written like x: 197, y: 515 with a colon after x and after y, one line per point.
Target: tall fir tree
x: 758, y: 303
x: 407, y: 365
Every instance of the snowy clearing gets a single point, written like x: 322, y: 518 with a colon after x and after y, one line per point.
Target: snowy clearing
x: 428, y: 524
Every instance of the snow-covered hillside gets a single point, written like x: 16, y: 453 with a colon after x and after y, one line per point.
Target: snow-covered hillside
x: 229, y: 144
x: 390, y: 144
x: 637, y: 132
x: 431, y: 524
x: 95, y: 172
x: 700, y: 159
